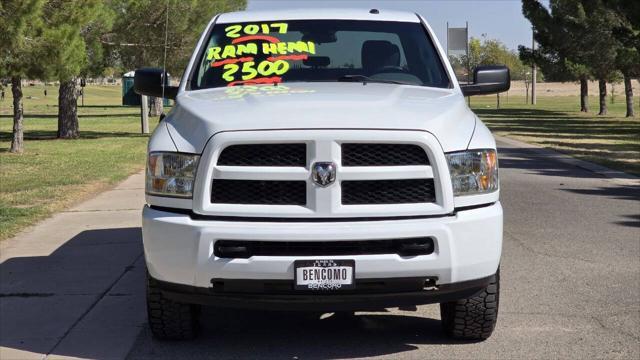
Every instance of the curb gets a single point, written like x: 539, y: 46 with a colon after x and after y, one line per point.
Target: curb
x: 611, y: 174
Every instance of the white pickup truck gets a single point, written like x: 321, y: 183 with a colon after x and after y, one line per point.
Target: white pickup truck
x: 322, y: 160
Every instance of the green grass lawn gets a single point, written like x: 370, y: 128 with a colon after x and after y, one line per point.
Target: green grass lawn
x: 53, y: 174
x: 557, y: 123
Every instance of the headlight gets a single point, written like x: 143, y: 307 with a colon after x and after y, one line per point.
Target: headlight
x: 171, y: 174
x: 473, y: 171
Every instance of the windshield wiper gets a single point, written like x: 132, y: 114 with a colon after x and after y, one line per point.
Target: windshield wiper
x: 366, y: 79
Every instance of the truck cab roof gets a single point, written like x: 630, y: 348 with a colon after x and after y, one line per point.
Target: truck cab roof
x: 319, y: 14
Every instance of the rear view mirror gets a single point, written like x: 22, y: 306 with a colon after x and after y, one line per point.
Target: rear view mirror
x: 148, y: 81
x: 317, y: 61
x: 488, y: 79
x: 325, y: 37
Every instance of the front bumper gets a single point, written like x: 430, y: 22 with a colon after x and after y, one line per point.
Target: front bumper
x: 180, y: 250
x: 273, y: 295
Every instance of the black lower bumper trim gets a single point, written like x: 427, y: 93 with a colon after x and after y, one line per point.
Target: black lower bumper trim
x: 278, y: 295
x: 244, y: 249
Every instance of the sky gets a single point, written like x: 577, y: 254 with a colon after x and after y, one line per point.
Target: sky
x: 496, y: 19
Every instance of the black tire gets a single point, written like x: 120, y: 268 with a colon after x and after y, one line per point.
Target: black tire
x: 473, y: 318
x: 168, y: 319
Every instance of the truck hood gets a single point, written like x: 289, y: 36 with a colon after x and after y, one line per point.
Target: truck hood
x: 198, y: 115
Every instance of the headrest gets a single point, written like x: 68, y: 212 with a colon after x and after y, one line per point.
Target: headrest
x: 317, y: 61
x: 379, y: 53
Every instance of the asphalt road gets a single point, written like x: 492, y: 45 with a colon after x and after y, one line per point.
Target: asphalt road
x: 570, y: 287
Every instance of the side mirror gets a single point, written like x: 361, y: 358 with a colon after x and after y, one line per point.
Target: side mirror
x: 148, y: 81
x: 488, y: 79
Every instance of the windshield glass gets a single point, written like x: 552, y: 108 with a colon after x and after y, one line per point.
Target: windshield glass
x: 318, y: 50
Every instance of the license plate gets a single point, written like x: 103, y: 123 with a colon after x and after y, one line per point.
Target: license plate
x: 324, y: 274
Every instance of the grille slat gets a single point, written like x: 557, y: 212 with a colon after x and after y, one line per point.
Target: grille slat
x: 264, y: 155
x: 321, y: 248
x: 358, y: 154
x: 259, y: 192
x: 407, y: 191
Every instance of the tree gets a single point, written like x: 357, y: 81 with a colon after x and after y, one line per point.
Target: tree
x: 628, y: 61
x: 495, y: 52
x: 474, y: 57
x: 630, y: 12
x: 556, y: 68
x: 490, y: 52
x: 97, y: 61
x: 142, y: 43
x: 19, y: 26
x: 562, y: 50
x: 579, y: 36
x: 627, y: 33
x: 66, y: 24
x: 600, y: 22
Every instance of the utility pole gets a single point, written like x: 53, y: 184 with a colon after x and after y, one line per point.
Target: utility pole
x: 527, y: 81
x: 468, y: 65
x: 83, y: 83
x: 144, y: 113
x: 448, y: 41
x: 533, y: 71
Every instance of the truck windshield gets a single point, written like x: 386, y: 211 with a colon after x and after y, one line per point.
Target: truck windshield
x: 318, y: 50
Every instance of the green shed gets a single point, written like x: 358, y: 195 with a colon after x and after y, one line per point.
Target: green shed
x: 129, y: 97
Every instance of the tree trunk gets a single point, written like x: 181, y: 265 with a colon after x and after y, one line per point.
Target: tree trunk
x: 68, y: 110
x: 628, y: 93
x: 584, y: 94
x: 602, y: 86
x: 17, y: 143
x: 613, y: 93
x: 155, y: 106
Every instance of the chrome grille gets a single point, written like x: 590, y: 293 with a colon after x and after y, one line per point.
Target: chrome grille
x: 245, y: 170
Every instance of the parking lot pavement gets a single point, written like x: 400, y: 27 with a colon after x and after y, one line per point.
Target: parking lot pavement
x: 570, y: 285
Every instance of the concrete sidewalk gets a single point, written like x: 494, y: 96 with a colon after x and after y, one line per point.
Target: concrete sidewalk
x: 73, y: 286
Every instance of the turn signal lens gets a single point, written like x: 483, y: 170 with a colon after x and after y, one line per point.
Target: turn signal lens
x: 473, y: 171
x: 171, y: 174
